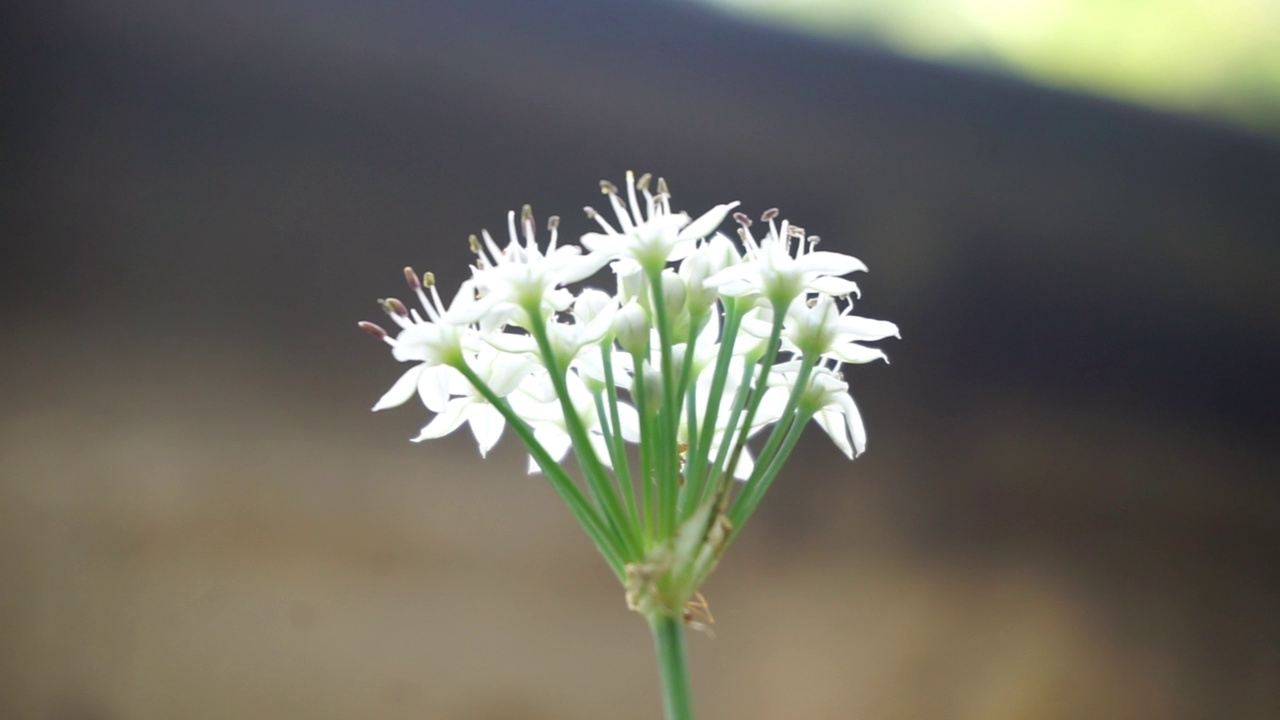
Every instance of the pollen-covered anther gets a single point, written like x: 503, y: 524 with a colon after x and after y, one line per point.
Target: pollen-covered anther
x: 769, y: 214
x: 526, y: 220
x: 473, y: 243
x: 396, y: 307
x: 608, y: 188
x: 411, y: 278
x: 643, y: 183
x: 795, y: 231
x: 373, y: 329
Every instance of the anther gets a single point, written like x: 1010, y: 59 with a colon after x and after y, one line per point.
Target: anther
x: 428, y: 279
x: 397, y: 307
x: 473, y: 242
x: 590, y: 211
x: 662, y: 187
x: 526, y: 214
x: 769, y: 214
x: 742, y: 219
x: 411, y: 278
x: 608, y: 188
x: 643, y: 183
x: 813, y: 240
x: 553, y: 223
x: 373, y: 329
x: 795, y: 231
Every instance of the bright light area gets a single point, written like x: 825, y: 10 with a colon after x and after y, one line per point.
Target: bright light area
x: 1210, y: 57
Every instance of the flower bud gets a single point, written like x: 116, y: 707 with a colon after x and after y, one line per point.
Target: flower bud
x: 653, y: 388
x: 631, y: 325
x: 590, y: 303
x: 673, y: 293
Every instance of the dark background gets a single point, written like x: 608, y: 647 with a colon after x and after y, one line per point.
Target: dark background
x: 1068, y: 508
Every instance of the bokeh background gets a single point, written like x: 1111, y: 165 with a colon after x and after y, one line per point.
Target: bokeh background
x: 1068, y: 510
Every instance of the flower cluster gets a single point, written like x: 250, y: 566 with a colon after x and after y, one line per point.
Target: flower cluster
x: 659, y: 389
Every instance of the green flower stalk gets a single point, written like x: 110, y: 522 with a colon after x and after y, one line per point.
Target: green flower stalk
x: 681, y: 394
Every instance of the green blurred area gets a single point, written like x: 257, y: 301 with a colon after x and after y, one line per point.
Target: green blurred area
x: 1217, y: 58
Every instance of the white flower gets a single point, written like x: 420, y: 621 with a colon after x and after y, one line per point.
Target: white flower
x: 816, y: 327
x: 502, y: 373
x: 538, y: 404
x: 826, y: 397
x: 521, y: 278
x: 649, y: 235
x: 773, y: 272
x: 432, y: 342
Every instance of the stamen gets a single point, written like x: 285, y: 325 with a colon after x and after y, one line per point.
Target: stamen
x: 608, y: 188
x: 397, y: 307
x: 769, y: 214
x: 604, y: 224
x: 526, y: 217
x: 553, y: 226
x: 631, y: 198
x: 473, y: 242
x: 373, y: 329
x: 512, y: 238
x: 662, y: 202
x: 494, y: 251
x: 429, y: 279
x: 411, y: 278
x: 742, y: 219
x: 435, y: 309
x: 643, y: 183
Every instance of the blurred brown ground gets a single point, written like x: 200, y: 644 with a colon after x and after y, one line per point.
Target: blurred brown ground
x: 1068, y: 509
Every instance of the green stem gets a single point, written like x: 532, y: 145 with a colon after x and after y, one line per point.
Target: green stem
x: 668, y: 415
x: 596, y: 528
x: 592, y: 469
x: 668, y: 639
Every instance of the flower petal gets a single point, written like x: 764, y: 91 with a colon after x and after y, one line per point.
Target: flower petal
x: 401, y: 390
x: 708, y: 222
x: 856, y: 354
x: 447, y: 421
x: 486, y: 424
x: 433, y: 387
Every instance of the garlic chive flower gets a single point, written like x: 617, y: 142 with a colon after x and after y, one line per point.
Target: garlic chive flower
x: 680, y: 394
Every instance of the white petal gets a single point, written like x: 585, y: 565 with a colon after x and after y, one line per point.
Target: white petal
x: 707, y: 222
x: 745, y: 465
x: 447, y: 421
x: 833, y: 422
x: 630, y: 420
x: 512, y: 343
x: 610, y: 246
x: 433, y: 387
x: 855, y: 353
x: 829, y: 263
x: 486, y: 424
x: 554, y: 440
x: 853, y: 327
x: 837, y: 286
x: 507, y: 372
x: 401, y: 390
x: 856, y: 428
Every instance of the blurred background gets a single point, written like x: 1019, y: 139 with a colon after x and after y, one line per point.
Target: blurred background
x: 1069, y: 505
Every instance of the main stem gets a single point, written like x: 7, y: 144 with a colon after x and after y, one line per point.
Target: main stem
x: 668, y: 639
